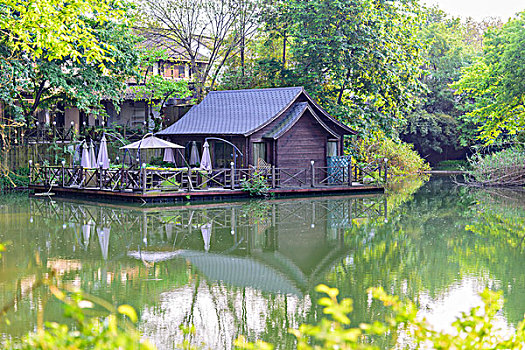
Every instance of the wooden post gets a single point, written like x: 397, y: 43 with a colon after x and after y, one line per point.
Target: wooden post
x: 100, y: 176
x: 273, y: 176
x: 386, y: 170
x: 232, y: 177
x: 30, y: 171
x: 350, y: 177
x: 63, y: 173
x: 313, y: 173
x: 144, y: 176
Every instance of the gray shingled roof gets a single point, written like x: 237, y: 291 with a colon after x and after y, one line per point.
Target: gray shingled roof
x: 234, y: 112
x: 295, y: 112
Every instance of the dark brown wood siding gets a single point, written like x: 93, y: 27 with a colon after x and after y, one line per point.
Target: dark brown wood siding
x: 304, y: 142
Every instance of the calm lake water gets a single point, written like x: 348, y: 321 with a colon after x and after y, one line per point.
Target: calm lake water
x: 251, y: 267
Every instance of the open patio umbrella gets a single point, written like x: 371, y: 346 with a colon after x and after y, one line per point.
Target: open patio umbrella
x: 194, y: 154
x: 103, y: 153
x: 206, y: 235
x: 206, y: 158
x: 93, y: 159
x: 85, y: 162
x: 152, y: 142
x: 169, y: 156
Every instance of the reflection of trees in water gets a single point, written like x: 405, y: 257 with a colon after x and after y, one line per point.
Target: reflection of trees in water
x: 424, y: 249
x: 296, y: 240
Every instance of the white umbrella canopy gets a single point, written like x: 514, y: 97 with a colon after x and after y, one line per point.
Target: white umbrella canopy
x: 103, y: 157
x: 206, y: 158
x: 86, y: 159
x: 92, y: 157
x: 152, y: 142
x: 169, y: 156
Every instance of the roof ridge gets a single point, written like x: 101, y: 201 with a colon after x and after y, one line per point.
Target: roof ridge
x: 255, y: 89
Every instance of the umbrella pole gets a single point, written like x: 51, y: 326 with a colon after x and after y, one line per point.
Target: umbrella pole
x: 183, y: 159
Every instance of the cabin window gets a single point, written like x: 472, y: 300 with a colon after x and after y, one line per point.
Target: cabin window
x: 259, y: 151
x: 331, y: 149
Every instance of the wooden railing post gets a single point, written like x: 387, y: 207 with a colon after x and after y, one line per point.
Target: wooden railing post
x: 144, y: 177
x: 63, y: 173
x: 30, y: 171
x: 100, y: 182
x: 232, y: 177
x: 312, y: 169
x: 273, y: 176
x: 350, y: 177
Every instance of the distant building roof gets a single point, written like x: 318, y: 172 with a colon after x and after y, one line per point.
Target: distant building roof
x: 241, y: 112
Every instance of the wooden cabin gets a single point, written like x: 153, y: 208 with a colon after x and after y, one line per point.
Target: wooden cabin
x: 284, y: 127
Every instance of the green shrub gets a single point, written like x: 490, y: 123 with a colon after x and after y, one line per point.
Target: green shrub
x: 256, y: 185
x: 17, y: 178
x: 503, y: 168
x: 402, y: 159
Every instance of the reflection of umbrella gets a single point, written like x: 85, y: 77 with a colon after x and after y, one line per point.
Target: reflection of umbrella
x: 194, y: 155
x: 86, y: 160
x: 93, y: 159
x: 86, y: 233
x: 206, y: 159
x: 206, y: 235
x: 169, y: 156
x: 103, y: 239
x: 103, y: 153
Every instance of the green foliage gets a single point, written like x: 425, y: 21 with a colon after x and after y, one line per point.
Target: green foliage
x: 57, y: 29
x: 256, y: 185
x: 503, y: 168
x: 496, y: 82
x: 90, y: 332
x: 431, y: 132
x: 451, y: 165
x: 17, y: 178
x: 474, y: 329
x: 359, y: 59
x: 54, y: 83
x: 402, y: 159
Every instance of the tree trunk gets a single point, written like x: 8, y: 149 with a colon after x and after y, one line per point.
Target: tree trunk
x: 284, y: 50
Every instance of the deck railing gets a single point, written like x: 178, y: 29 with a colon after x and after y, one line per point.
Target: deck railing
x: 165, y: 179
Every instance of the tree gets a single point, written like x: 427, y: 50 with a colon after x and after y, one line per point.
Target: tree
x: 496, y: 82
x: 203, y: 32
x: 44, y: 82
x: 156, y: 89
x: 55, y: 29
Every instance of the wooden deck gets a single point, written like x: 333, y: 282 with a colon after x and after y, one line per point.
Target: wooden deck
x: 183, y: 185
x: 198, y: 195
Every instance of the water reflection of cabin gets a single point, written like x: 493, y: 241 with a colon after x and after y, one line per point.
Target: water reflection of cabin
x: 282, y: 126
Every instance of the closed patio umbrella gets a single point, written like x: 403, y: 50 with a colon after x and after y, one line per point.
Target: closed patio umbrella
x: 169, y: 156
x: 194, y: 154
x: 103, y: 153
x: 206, y: 158
x: 85, y: 162
x: 92, y: 157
